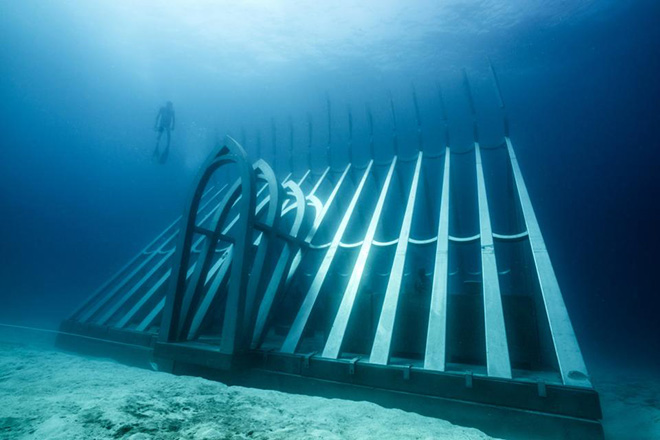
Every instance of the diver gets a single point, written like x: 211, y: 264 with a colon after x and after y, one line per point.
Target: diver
x: 164, y: 123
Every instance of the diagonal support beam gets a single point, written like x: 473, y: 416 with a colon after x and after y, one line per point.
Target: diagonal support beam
x: 94, y: 298
x: 497, y: 349
x: 295, y: 333
x: 571, y: 364
x: 278, y: 278
x: 380, y: 351
x: 321, y: 180
x: 143, y: 300
x: 336, y: 337
x: 103, y: 320
x: 219, y: 277
x: 151, y: 317
x: 144, y: 264
x: 436, y: 338
x: 318, y: 219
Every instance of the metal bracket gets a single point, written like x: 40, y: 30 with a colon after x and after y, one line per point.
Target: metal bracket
x: 203, y: 231
x: 468, y: 379
x: 406, y: 372
x: 306, y: 358
x: 262, y: 227
x: 266, y: 353
x: 542, y: 389
x: 351, y: 365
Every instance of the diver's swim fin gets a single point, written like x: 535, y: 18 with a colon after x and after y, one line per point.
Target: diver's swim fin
x: 164, y: 156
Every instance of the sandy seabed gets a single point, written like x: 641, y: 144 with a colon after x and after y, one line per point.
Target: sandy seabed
x: 46, y: 394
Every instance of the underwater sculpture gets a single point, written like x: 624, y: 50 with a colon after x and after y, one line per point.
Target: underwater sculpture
x: 322, y: 283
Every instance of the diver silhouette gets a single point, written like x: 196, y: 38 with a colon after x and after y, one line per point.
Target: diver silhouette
x: 164, y: 123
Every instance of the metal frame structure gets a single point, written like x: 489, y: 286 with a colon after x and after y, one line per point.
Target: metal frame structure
x: 321, y: 286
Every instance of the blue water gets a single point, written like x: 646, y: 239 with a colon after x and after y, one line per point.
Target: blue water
x: 81, y: 82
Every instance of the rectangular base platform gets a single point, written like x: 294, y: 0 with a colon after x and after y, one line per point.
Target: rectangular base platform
x: 510, y: 409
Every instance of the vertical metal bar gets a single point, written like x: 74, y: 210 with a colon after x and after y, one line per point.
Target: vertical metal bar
x: 309, y: 141
x: 436, y: 338
x: 468, y: 93
x: 273, y: 134
x: 290, y: 145
x: 473, y: 108
x: 571, y: 364
x: 380, y: 351
x: 496, y: 80
x: 443, y: 110
x: 370, y: 120
x: 259, y: 144
x: 295, y: 333
x: 420, y: 144
x: 350, y: 135
x: 443, y: 106
x: 327, y: 148
x: 497, y: 349
x: 395, y: 135
x: 498, y: 89
x: 336, y: 336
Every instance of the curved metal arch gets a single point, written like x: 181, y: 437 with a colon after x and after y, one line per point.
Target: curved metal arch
x: 221, y: 268
x: 200, y: 271
x: 278, y: 276
x: 300, y: 206
x: 180, y: 290
x: 268, y: 229
x: 315, y: 203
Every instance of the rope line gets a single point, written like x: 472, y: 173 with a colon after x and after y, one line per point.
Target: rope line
x: 59, y: 332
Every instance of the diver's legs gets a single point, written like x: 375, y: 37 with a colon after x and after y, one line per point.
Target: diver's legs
x: 166, y: 151
x: 160, y: 134
x: 156, y: 154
